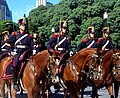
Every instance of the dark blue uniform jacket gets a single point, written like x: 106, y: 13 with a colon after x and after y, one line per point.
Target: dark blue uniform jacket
x: 26, y: 41
x: 102, y: 41
x: 85, y: 43
x: 66, y: 45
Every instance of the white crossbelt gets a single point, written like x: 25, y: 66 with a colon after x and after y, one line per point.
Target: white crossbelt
x: 21, y: 46
x: 105, y: 45
x: 21, y: 38
x: 4, y: 49
x: 60, y: 49
x: 91, y: 44
x: 60, y: 42
x: 3, y: 46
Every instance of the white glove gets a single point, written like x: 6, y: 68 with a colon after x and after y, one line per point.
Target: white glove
x: 34, y: 52
x: 71, y: 53
x: 13, y: 53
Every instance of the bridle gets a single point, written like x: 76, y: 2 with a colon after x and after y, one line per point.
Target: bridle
x: 116, y: 57
x: 33, y: 66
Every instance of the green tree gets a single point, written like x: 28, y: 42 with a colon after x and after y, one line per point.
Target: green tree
x: 80, y: 15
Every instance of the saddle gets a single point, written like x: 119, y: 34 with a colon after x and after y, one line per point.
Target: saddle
x: 9, y: 68
x: 3, y: 55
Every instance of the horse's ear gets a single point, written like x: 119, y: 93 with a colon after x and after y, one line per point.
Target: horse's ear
x: 50, y: 51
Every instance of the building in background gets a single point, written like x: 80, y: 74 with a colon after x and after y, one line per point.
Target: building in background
x: 5, y: 13
x: 41, y: 2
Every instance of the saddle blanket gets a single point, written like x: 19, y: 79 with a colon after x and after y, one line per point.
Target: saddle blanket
x: 9, y: 69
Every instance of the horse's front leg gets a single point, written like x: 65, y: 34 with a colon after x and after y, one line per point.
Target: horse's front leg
x: 66, y: 94
x: 31, y: 93
x: 110, y: 91
x: 2, y: 87
x: 116, y: 89
x: 94, y: 92
x: 13, y: 93
x: 37, y: 94
x: 82, y: 92
x: 9, y: 89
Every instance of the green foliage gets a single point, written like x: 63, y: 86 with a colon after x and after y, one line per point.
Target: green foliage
x: 8, y: 25
x: 80, y: 15
x: 2, y: 26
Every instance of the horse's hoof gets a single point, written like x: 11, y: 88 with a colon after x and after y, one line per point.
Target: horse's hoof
x: 112, y: 96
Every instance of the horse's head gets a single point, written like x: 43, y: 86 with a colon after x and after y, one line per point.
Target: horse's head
x: 116, y: 62
x: 116, y: 56
x: 110, y: 61
x: 98, y: 57
x: 54, y: 59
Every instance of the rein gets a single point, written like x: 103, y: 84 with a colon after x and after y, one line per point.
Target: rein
x: 81, y: 70
x: 51, y: 75
x: 33, y: 67
x: 49, y: 68
x: 72, y: 66
x: 116, y: 68
x: 110, y: 71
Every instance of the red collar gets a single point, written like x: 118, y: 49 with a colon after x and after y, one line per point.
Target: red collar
x: 22, y: 32
x: 62, y: 35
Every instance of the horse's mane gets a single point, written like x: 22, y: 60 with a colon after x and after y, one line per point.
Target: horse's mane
x: 83, y: 55
x: 5, y: 60
x: 109, y: 54
x: 40, y: 58
x: 107, y: 58
x: 85, y: 50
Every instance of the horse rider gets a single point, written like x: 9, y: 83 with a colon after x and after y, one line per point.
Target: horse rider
x: 22, y: 43
x: 39, y: 44
x: 61, y: 42
x: 5, y: 47
x: 88, y: 42
x: 105, y: 43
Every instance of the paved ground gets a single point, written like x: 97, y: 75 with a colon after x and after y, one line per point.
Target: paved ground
x: 102, y: 94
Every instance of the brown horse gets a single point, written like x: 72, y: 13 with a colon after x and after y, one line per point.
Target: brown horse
x: 98, y: 69
x: 2, y: 81
x: 102, y: 72
x: 116, y: 72
x: 34, y: 74
x: 73, y: 74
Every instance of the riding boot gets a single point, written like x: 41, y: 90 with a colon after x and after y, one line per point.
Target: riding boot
x: 15, y: 76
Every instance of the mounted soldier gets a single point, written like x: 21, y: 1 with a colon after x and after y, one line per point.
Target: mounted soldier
x: 105, y: 43
x: 60, y: 42
x: 23, y: 44
x: 5, y: 47
x: 88, y: 42
x: 39, y: 44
